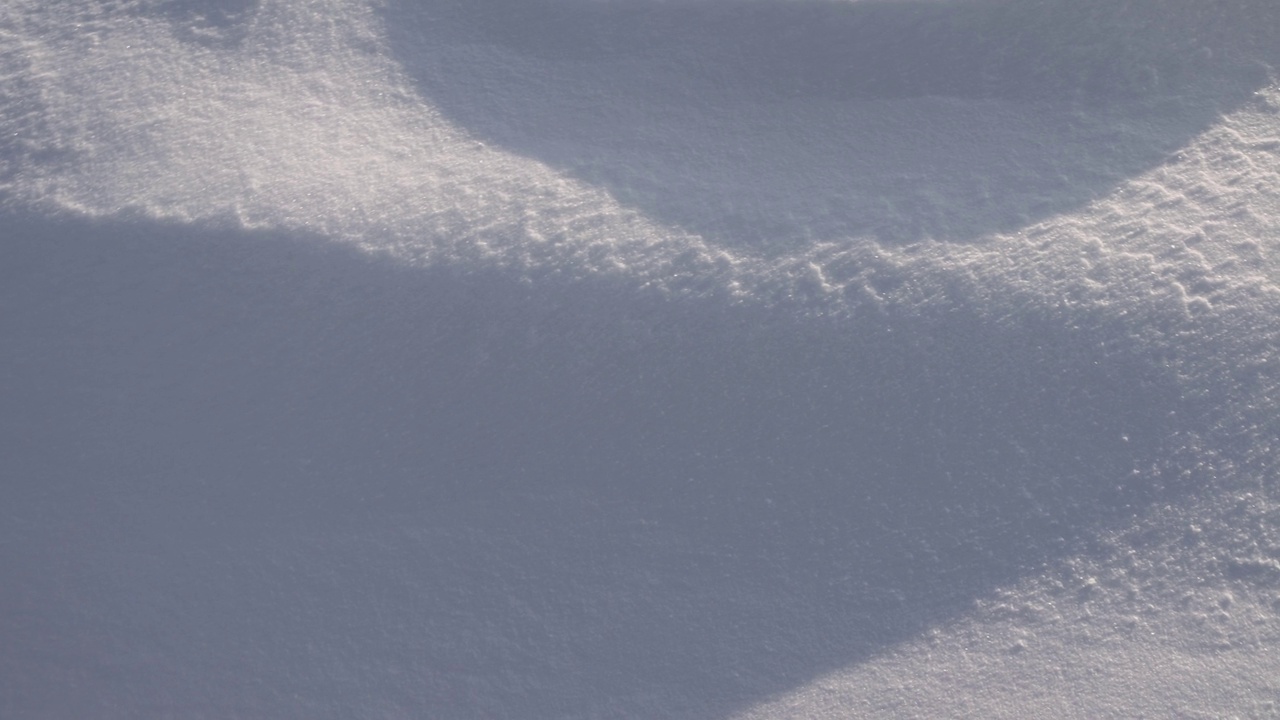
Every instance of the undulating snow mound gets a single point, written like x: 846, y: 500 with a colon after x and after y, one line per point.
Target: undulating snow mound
x: 605, y: 358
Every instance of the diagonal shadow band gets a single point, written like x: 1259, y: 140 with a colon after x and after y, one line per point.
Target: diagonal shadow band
x: 766, y: 125
x: 260, y: 470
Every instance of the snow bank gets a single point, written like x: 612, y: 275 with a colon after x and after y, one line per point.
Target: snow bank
x: 604, y: 359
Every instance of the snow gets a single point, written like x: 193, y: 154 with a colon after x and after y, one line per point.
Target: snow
x: 578, y: 359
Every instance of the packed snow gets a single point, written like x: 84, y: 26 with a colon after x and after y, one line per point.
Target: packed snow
x: 731, y: 359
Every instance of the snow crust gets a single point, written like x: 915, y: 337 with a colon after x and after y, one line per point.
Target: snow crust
x: 568, y: 358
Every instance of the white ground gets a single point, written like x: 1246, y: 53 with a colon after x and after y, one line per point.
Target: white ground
x: 596, y: 358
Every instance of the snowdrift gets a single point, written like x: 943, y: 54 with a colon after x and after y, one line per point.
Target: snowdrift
x: 638, y: 359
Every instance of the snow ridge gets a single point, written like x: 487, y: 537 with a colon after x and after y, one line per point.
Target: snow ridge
x: 558, y: 358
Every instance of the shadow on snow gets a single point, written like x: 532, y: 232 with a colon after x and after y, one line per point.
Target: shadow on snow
x: 763, y: 125
x: 260, y: 468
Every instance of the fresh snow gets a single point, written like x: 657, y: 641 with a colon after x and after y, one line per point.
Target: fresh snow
x: 739, y: 359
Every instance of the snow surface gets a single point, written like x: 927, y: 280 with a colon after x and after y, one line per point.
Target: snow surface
x: 625, y: 358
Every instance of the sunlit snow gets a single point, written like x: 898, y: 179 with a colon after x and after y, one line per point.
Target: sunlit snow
x: 638, y: 358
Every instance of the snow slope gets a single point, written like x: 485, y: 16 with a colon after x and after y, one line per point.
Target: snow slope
x: 569, y: 358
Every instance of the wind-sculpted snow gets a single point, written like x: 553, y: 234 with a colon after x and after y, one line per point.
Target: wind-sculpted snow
x: 559, y: 359
x: 763, y: 126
